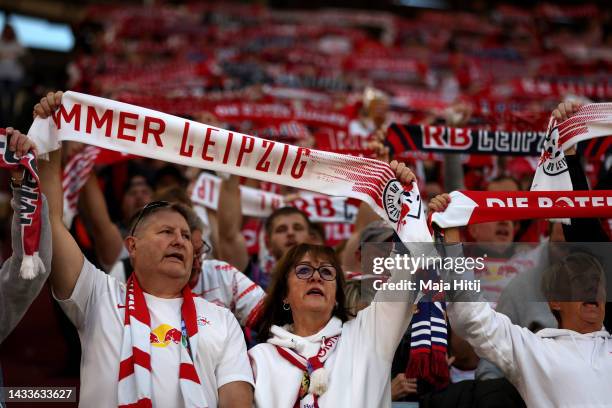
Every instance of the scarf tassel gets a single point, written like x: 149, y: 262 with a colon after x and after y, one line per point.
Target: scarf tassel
x: 429, y: 366
x: 31, y: 266
x: 318, y: 376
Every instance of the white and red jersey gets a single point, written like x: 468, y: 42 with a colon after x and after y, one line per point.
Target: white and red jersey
x: 226, y: 286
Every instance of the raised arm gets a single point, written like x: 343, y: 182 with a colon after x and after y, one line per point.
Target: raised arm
x: 67, y: 256
x: 232, y: 245
x: 492, y: 335
x: 16, y: 294
x: 580, y: 229
x: 106, y: 236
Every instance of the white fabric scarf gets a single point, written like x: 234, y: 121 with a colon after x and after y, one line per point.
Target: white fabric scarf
x: 260, y: 204
x: 131, y: 129
x: 590, y: 121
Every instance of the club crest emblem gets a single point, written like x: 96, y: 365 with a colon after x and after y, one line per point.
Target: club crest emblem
x: 400, y: 201
x: 552, y: 159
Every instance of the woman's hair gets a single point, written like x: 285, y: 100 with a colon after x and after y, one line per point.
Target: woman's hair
x: 273, y: 312
x: 571, y: 279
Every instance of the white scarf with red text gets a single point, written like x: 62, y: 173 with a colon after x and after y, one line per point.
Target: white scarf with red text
x: 131, y: 129
x: 260, y: 204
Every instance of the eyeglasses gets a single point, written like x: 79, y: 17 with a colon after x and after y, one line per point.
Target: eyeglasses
x: 146, y: 210
x: 306, y: 271
x: 203, y: 251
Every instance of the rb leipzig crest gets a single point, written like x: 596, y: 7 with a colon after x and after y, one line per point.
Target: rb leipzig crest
x: 552, y: 159
x: 400, y: 201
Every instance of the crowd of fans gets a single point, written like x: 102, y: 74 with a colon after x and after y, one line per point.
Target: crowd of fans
x: 332, y: 80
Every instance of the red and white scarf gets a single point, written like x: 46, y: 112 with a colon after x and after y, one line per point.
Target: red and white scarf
x: 144, y: 132
x: 74, y: 176
x: 474, y: 207
x: 314, y: 375
x: 590, y: 121
x: 30, y: 206
x: 135, y: 380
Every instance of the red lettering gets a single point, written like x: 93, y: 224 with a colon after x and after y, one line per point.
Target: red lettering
x: 123, y: 126
x: 434, y: 132
x: 228, y: 147
x: 75, y: 113
x: 276, y: 202
x: 155, y: 132
x: 211, y: 191
x: 302, y: 205
x: 279, y: 171
x: 460, y: 138
x: 207, y: 143
x: 92, y: 118
x: 295, y: 172
x: 264, y: 167
x: 183, y: 152
x: 244, y: 149
x: 324, y: 207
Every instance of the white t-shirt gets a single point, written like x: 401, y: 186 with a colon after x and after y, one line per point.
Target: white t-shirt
x: 226, y: 286
x: 97, y: 309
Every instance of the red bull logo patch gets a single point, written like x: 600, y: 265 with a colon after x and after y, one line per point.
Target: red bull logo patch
x: 164, y: 335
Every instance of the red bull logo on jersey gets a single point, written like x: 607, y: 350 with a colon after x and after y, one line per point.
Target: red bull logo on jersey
x: 164, y: 335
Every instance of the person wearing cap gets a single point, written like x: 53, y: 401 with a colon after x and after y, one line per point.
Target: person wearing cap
x: 311, y: 354
x: 149, y: 342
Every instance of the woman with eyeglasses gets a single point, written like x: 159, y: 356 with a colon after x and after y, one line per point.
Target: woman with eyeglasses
x: 311, y: 355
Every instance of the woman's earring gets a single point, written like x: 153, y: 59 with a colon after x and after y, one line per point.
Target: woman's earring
x: 286, y: 306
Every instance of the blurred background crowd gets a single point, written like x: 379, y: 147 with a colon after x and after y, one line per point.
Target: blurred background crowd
x: 328, y: 78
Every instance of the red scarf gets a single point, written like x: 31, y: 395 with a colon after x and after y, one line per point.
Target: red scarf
x: 30, y: 205
x: 310, y: 367
x: 474, y: 207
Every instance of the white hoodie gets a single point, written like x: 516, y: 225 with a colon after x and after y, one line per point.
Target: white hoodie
x: 551, y: 368
x: 359, y: 369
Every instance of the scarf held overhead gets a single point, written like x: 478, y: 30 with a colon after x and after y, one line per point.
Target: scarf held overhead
x: 590, y: 121
x: 144, y: 132
x: 260, y: 203
x: 402, y: 138
x: 474, y: 207
x: 30, y: 206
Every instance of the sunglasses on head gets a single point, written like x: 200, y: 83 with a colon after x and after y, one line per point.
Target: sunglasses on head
x: 147, y: 209
x: 306, y: 271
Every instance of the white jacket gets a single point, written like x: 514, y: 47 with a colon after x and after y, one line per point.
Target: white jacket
x: 359, y: 368
x: 551, y: 368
